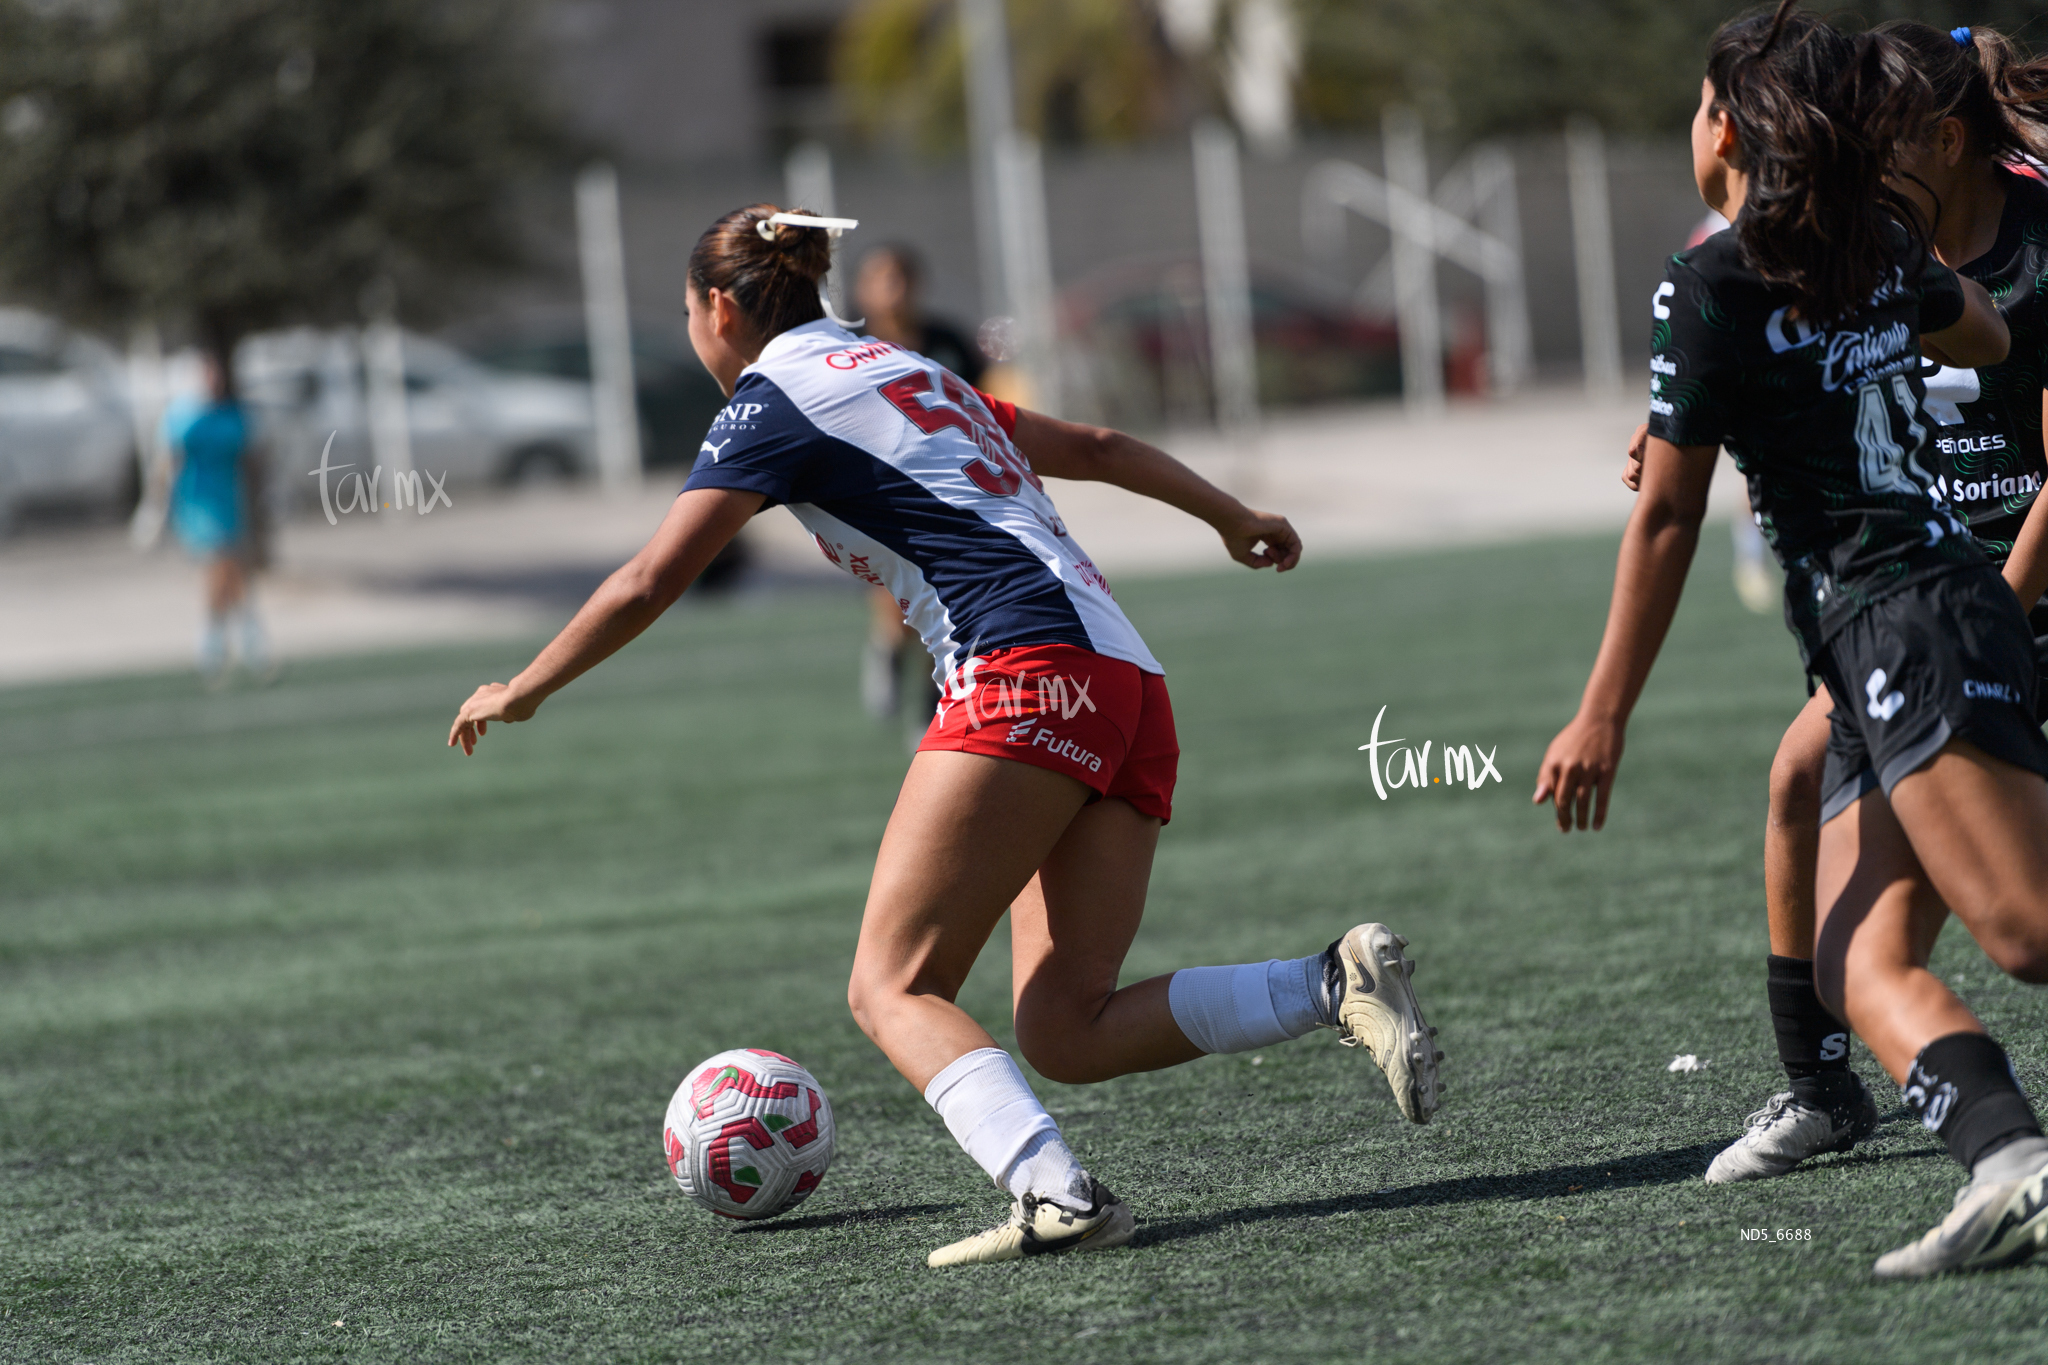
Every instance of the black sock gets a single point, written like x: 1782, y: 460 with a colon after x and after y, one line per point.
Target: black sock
x: 1812, y: 1043
x: 1961, y: 1087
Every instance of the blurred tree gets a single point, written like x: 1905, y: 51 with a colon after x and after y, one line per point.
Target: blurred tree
x: 224, y: 166
x: 1475, y: 67
x: 1086, y: 70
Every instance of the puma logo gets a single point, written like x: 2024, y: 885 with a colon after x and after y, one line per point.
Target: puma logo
x: 716, y: 450
x: 1882, y: 708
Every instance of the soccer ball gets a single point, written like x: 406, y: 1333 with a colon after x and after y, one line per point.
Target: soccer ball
x: 748, y: 1134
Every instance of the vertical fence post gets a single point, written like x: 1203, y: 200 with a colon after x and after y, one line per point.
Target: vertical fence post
x: 1226, y: 277
x: 808, y: 183
x: 608, y: 327
x: 991, y: 121
x: 1415, y: 302
x: 1510, y: 348
x: 1593, y: 255
x: 384, y: 389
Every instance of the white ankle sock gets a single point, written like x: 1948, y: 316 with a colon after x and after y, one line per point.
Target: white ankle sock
x: 213, y: 645
x: 1237, y: 1009
x: 990, y: 1110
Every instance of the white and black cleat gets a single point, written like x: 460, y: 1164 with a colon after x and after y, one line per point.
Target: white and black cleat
x: 1788, y: 1130
x: 1377, y: 1011
x: 1039, y: 1227
x: 1992, y: 1225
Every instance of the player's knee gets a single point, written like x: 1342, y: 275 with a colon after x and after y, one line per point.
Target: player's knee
x: 866, y: 997
x: 1056, y: 1050
x: 1795, y: 790
x: 2019, y: 952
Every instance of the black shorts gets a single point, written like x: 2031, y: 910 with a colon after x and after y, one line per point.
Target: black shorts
x: 1948, y: 658
x: 2037, y: 621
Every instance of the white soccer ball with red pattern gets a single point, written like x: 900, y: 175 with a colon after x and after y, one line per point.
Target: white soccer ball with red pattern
x: 749, y: 1133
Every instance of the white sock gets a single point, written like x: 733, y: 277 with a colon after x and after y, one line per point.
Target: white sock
x: 255, y: 650
x: 990, y: 1110
x: 1238, y: 1009
x: 213, y: 645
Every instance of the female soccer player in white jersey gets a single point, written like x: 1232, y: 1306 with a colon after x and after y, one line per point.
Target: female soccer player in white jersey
x: 1990, y: 223
x: 1794, y: 340
x: 1046, y: 775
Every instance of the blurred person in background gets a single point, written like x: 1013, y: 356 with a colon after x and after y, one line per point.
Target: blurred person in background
x: 886, y: 292
x: 213, y: 514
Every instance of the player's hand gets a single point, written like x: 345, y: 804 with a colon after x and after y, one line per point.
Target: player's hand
x: 1260, y: 540
x: 1632, y: 468
x: 1578, y: 772
x: 492, y: 701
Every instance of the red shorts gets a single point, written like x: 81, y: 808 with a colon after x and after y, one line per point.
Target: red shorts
x: 1092, y: 717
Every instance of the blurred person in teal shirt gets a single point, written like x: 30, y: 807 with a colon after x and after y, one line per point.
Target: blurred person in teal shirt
x: 211, y: 513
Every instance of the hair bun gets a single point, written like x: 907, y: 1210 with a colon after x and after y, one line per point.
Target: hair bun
x: 805, y: 250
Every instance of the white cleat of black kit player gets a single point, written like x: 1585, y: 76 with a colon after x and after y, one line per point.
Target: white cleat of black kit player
x: 1377, y: 1011
x: 1787, y: 1130
x: 1993, y: 1224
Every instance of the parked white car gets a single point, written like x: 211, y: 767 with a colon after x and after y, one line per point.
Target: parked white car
x: 465, y: 421
x: 66, y: 434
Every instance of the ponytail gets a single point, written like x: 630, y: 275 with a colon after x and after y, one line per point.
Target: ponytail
x: 1978, y: 76
x: 771, y: 272
x: 1817, y: 117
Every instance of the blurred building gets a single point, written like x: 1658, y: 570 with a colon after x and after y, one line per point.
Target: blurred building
x: 676, y: 82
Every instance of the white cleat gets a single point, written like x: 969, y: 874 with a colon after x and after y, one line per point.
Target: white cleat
x: 1039, y: 1227
x: 1786, y: 1131
x: 1992, y: 1225
x: 1378, y: 1012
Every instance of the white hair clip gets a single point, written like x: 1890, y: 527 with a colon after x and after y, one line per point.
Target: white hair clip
x: 833, y: 226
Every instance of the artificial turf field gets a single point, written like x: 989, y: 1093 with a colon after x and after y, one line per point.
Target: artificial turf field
x: 318, y: 1042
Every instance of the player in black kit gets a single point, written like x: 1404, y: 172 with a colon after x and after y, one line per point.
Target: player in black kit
x: 1991, y: 224
x: 1795, y: 340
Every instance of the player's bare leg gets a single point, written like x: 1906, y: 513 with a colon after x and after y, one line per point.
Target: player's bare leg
x: 1882, y: 905
x: 1077, y: 877
x: 968, y: 832
x: 1069, y: 933
x: 1826, y: 1108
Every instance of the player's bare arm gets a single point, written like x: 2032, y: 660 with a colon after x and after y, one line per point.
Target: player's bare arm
x: 2026, y: 568
x: 633, y: 598
x: 1977, y: 338
x: 1656, y: 550
x: 1070, y: 450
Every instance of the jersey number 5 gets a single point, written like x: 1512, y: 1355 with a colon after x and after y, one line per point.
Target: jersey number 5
x: 998, y: 471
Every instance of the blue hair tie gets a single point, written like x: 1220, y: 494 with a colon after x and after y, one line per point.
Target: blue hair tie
x: 1961, y: 35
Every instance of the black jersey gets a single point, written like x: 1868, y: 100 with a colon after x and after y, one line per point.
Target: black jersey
x: 1825, y: 423
x: 1987, y: 452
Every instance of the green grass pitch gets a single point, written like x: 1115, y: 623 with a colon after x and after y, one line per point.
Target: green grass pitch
x: 318, y: 1042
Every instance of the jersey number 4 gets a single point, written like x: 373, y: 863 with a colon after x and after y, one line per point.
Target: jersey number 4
x: 999, y: 470
x: 1885, y: 465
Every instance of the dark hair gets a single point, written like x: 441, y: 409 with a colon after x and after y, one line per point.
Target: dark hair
x: 2001, y: 98
x: 1818, y: 118
x: 775, y: 283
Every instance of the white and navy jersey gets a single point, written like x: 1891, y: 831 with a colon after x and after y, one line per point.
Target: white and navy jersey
x: 908, y: 479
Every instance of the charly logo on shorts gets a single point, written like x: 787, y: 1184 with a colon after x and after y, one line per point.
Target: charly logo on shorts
x: 1881, y: 707
x: 1990, y: 691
